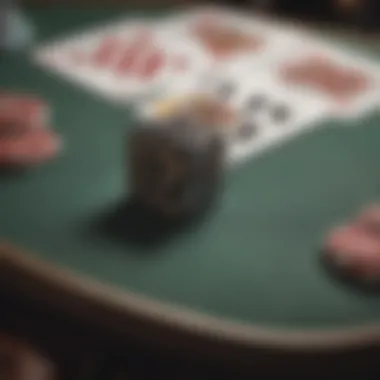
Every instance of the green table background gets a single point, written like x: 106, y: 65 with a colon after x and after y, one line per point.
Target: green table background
x: 254, y: 262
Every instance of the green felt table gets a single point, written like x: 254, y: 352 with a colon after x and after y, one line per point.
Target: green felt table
x: 248, y: 274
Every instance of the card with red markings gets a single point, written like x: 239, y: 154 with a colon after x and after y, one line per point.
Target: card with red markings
x: 126, y: 61
x: 140, y: 60
x: 350, y: 89
x: 351, y: 85
x: 225, y: 35
x: 158, y: 61
x: 297, y: 59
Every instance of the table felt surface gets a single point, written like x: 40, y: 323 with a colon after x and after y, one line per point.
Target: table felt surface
x: 254, y: 260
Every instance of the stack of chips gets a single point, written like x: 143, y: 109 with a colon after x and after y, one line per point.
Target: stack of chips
x: 177, y: 159
x: 25, y: 136
x: 354, y: 248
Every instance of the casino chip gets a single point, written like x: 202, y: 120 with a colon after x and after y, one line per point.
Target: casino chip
x: 212, y: 114
x: 176, y: 158
x: 354, y: 252
x: 25, y: 138
x: 369, y: 219
x: 24, y: 108
x: 28, y: 147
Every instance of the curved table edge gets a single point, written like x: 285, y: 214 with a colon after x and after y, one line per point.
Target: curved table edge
x: 62, y: 284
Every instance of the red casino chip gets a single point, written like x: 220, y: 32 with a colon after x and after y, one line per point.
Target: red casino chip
x: 28, y: 147
x: 25, y: 108
x: 354, y: 252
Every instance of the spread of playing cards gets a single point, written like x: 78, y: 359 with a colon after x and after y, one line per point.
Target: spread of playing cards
x: 278, y: 81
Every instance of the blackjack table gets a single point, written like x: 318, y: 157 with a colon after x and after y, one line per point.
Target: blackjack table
x: 244, y: 280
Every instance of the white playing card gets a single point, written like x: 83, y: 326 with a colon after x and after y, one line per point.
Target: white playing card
x: 73, y: 56
x: 287, y: 43
x: 262, y: 40
x: 352, y: 87
x: 183, y: 63
x: 270, y: 115
x: 267, y: 113
x: 124, y: 60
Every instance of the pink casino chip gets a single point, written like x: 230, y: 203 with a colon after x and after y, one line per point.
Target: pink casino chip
x: 25, y: 138
x: 28, y: 147
x: 23, y: 108
x: 354, y: 251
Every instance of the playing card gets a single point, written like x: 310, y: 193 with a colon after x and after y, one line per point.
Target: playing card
x: 227, y: 35
x: 351, y: 85
x: 83, y: 57
x: 266, y: 113
x: 269, y: 115
x: 124, y: 60
x: 170, y: 63
x: 298, y: 59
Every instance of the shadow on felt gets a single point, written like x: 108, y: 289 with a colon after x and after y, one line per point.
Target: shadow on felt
x: 342, y: 278
x: 132, y: 224
x: 10, y: 172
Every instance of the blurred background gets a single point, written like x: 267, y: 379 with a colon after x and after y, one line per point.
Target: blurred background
x: 362, y: 14
x: 87, y: 353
